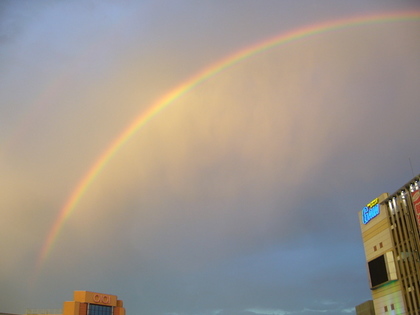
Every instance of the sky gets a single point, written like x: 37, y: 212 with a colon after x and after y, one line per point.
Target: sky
x: 238, y: 196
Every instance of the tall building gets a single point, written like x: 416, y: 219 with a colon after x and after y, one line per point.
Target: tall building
x: 390, y: 226
x: 88, y: 303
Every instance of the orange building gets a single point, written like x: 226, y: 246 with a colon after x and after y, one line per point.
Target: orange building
x: 93, y: 303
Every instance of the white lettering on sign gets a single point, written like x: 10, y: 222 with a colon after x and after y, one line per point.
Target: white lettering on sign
x: 369, y: 213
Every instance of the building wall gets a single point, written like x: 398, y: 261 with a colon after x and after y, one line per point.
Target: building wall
x: 377, y: 240
x: 405, y: 231
x: 366, y: 308
x: 82, y: 300
x: 391, y: 238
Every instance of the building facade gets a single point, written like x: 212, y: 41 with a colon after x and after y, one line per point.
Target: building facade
x: 390, y: 226
x: 366, y: 308
x: 87, y: 303
x: 93, y: 303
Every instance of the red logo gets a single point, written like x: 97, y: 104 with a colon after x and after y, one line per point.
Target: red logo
x: 416, y: 195
x: 101, y: 298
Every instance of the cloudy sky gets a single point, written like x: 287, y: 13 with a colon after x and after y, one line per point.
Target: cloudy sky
x: 240, y: 197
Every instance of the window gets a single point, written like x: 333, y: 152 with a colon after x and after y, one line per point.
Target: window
x: 386, y: 308
x: 95, y: 309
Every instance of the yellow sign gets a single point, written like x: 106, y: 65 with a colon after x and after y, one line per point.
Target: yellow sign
x: 374, y: 202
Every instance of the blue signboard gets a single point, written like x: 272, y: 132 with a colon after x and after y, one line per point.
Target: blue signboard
x: 370, y: 211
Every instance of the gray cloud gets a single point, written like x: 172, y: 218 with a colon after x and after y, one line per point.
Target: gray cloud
x: 242, y: 192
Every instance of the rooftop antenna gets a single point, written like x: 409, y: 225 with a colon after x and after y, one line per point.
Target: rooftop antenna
x: 411, y: 166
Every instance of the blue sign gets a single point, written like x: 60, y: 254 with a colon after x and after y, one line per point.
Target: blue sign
x: 369, y: 213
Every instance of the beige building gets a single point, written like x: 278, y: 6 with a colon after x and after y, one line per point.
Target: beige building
x: 366, y: 308
x: 390, y: 226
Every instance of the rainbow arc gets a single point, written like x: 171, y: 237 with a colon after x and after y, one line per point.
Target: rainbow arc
x: 186, y: 86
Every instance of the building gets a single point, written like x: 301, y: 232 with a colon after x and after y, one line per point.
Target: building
x: 390, y: 226
x: 43, y: 312
x: 90, y: 303
x: 366, y: 308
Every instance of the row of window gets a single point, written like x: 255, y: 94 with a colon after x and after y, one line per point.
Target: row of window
x: 95, y: 309
x: 405, y: 242
x: 376, y: 248
x: 392, y: 307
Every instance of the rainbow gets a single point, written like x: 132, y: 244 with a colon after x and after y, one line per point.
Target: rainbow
x: 183, y: 88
